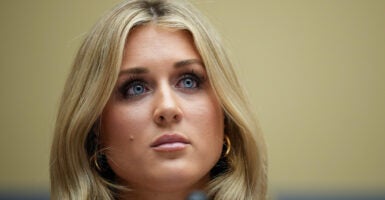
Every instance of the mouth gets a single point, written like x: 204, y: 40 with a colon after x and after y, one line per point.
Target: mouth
x: 169, y: 143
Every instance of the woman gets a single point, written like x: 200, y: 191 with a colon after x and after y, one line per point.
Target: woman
x: 152, y: 110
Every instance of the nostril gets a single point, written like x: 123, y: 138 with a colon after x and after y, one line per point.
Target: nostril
x: 167, y: 114
x: 176, y: 117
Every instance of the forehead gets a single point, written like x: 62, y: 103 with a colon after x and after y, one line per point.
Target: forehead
x: 153, y: 33
x: 152, y: 43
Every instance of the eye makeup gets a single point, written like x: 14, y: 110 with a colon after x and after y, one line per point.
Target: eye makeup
x: 187, y: 76
x: 190, y: 81
x: 132, y: 87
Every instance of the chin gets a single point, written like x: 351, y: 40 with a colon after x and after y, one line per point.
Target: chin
x: 176, y: 178
x: 182, y: 182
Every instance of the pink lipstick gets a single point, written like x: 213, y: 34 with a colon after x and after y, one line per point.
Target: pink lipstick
x: 169, y: 143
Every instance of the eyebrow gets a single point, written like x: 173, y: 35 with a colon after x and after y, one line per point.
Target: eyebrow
x: 143, y: 70
x: 134, y: 70
x: 184, y: 63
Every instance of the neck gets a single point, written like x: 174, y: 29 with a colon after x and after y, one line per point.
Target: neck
x: 157, y: 193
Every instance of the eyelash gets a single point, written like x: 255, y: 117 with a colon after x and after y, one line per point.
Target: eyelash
x: 132, y: 81
x: 124, y: 90
x: 195, y: 77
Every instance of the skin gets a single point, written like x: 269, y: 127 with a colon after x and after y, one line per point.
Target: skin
x: 162, y: 90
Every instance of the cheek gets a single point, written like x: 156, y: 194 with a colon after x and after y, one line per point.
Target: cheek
x: 124, y: 135
x: 122, y: 116
x: 207, y: 114
x: 121, y: 126
x: 206, y: 120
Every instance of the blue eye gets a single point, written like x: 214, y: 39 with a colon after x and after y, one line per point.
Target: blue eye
x: 189, y: 83
x: 136, y: 89
x: 133, y: 88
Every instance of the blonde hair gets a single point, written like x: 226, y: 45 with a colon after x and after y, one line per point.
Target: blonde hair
x: 93, y: 77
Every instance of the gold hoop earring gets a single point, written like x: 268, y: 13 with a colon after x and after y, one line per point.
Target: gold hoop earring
x: 94, y: 159
x: 228, y: 146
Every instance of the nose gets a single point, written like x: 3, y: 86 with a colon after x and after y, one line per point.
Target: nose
x: 167, y: 109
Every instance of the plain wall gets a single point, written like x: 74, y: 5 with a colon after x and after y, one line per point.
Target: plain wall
x: 314, y: 70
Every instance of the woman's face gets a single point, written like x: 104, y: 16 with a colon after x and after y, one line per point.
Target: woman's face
x: 163, y: 125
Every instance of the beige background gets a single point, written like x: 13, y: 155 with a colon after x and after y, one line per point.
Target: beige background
x: 315, y: 70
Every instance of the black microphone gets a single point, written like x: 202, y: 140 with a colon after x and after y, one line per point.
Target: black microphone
x: 197, y: 195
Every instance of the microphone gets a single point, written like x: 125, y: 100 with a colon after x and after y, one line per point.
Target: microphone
x: 197, y: 195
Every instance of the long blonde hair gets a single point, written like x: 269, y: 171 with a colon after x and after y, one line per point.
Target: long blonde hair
x: 92, y: 79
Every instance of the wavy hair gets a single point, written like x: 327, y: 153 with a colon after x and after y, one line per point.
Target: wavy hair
x: 91, y: 82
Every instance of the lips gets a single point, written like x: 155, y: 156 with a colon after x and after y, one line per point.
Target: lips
x: 170, y: 142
